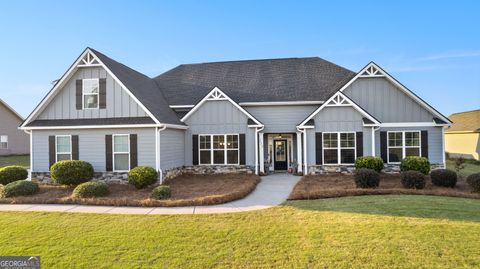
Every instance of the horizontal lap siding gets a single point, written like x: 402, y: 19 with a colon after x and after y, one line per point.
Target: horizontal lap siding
x: 281, y: 119
x: 92, y: 146
x: 18, y: 140
x: 172, y: 148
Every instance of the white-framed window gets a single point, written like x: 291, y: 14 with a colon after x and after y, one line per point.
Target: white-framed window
x: 121, y: 152
x: 3, y: 141
x: 402, y: 144
x: 63, y: 147
x: 339, y: 147
x: 218, y: 149
x: 90, y: 91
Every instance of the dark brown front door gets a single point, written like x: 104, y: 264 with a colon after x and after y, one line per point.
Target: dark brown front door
x: 280, y: 153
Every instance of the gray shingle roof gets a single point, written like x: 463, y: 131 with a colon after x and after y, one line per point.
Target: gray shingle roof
x: 290, y: 79
x: 144, y: 89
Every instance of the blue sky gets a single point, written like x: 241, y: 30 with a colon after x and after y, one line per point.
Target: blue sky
x: 431, y: 47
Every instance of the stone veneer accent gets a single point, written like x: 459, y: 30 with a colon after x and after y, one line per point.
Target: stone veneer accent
x: 117, y: 177
x: 349, y: 169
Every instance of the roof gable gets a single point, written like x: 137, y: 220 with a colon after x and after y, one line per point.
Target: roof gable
x: 9, y: 108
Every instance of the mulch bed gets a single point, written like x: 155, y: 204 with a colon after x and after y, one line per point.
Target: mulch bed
x: 187, y: 190
x: 339, y: 185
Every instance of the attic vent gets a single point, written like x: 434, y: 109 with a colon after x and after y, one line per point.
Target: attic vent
x: 88, y: 60
x: 372, y: 71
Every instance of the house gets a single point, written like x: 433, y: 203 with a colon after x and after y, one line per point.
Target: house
x: 12, y: 140
x: 463, y: 138
x: 264, y: 115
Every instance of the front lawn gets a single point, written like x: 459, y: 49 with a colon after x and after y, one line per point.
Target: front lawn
x: 22, y: 160
x: 471, y: 167
x: 354, y: 232
x: 339, y: 185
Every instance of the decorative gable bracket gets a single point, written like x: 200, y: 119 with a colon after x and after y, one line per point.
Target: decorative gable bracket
x: 372, y: 72
x: 339, y: 100
x: 216, y: 95
x: 89, y: 60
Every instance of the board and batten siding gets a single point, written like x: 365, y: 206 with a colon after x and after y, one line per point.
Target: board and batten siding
x: 385, y: 101
x: 219, y: 117
x: 119, y: 103
x: 172, y: 148
x: 435, y: 154
x: 92, y: 146
x: 281, y: 119
x: 18, y: 140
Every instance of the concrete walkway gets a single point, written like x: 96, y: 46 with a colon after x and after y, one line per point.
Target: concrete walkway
x: 271, y: 191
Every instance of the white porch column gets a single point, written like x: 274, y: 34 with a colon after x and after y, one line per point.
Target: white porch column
x: 373, y: 140
x: 261, y: 153
x: 299, y: 152
x: 305, y: 161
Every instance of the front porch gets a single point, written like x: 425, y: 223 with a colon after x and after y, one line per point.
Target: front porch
x: 280, y: 152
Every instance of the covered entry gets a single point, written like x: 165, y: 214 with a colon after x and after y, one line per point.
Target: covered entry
x: 279, y: 152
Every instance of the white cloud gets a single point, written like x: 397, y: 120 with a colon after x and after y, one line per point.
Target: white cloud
x: 451, y: 55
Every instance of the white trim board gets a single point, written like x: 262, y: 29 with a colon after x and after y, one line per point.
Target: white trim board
x: 373, y: 70
x: 171, y: 126
x: 339, y: 100
x: 48, y: 98
x: 218, y: 95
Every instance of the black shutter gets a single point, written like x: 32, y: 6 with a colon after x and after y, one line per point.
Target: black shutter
x: 195, y: 149
x: 102, y: 93
x: 133, y: 151
x: 424, y: 141
x: 108, y: 153
x: 75, y: 153
x: 51, y: 150
x: 318, y: 148
x: 78, y: 94
x: 383, y: 146
x: 359, y: 139
x: 242, y: 148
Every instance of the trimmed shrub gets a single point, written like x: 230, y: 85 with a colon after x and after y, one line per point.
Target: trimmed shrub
x: 71, y: 172
x: 12, y: 173
x: 415, y: 163
x: 370, y: 162
x: 91, y: 189
x: 366, y: 178
x: 443, y: 178
x: 142, y: 176
x: 161, y: 192
x: 17, y: 188
x: 474, y: 181
x: 413, y: 179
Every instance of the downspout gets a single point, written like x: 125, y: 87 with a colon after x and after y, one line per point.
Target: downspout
x: 157, y: 151
x: 30, y: 133
x: 256, y: 147
x: 305, y: 163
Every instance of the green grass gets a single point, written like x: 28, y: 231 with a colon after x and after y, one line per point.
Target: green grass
x: 22, y: 160
x: 355, y: 232
x: 471, y: 167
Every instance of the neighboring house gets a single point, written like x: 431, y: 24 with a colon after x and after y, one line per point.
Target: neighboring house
x: 262, y: 114
x: 462, y: 139
x: 12, y: 140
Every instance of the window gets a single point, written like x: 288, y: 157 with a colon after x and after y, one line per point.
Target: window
x: 403, y: 144
x: 339, y: 148
x: 3, y: 141
x: 219, y: 149
x: 63, y: 146
x: 90, y: 93
x: 121, y: 153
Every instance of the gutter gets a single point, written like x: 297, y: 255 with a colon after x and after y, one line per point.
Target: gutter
x: 158, y: 130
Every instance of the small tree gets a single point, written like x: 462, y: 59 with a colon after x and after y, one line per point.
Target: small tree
x: 459, y: 164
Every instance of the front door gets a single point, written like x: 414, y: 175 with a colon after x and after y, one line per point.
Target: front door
x: 280, y: 153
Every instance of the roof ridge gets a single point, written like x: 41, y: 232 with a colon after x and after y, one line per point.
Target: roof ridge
x: 124, y: 65
x: 254, y: 60
x: 468, y: 111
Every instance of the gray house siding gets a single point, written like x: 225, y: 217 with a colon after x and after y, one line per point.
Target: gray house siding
x: 92, y: 146
x: 219, y: 117
x: 18, y: 140
x: 172, y: 148
x: 281, y: 119
x: 119, y: 103
x: 385, y: 101
x: 435, y: 155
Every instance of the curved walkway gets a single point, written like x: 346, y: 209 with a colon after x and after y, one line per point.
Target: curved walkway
x: 271, y: 191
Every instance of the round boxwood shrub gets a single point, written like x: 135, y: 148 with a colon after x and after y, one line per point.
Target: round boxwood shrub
x: 17, y: 188
x: 413, y: 179
x: 71, y: 172
x: 142, y: 176
x: 474, y: 181
x: 370, y: 162
x: 161, y: 192
x: 91, y: 189
x: 12, y: 173
x: 443, y: 178
x: 415, y: 163
x: 366, y: 178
